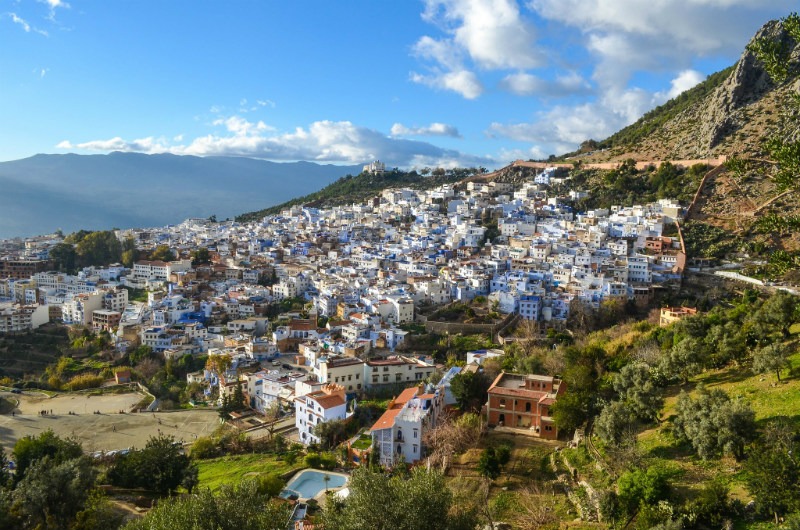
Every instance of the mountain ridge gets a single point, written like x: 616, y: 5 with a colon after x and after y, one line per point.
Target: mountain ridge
x: 73, y: 191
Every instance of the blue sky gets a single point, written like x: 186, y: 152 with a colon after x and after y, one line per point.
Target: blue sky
x: 413, y: 83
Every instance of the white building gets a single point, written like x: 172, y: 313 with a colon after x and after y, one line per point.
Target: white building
x: 15, y: 317
x: 317, y: 407
x: 398, y: 433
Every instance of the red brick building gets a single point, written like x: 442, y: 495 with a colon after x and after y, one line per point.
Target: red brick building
x: 524, y: 402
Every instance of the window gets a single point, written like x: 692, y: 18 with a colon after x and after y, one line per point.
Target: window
x: 416, y: 433
x: 374, y: 378
x: 357, y: 375
x: 398, y: 377
x: 385, y: 368
x: 415, y: 448
x: 349, y: 377
x: 418, y: 376
x: 528, y: 406
x: 374, y: 368
x: 358, y: 386
x: 503, y: 403
x: 385, y: 378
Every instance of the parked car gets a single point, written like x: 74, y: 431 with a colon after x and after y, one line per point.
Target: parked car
x: 16, y: 391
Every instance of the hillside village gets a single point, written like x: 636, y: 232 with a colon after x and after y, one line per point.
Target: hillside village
x: 487, y: 353
x: 362, y: 274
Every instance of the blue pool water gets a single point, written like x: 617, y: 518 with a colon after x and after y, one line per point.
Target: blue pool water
x: 309, y: 482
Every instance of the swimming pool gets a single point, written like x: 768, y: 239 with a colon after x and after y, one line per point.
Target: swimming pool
x: 308, y: 483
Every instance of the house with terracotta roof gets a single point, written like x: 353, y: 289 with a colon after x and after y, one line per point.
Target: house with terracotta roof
x: 398, y: 432
x: 524, y: 402
x: 326, y: 404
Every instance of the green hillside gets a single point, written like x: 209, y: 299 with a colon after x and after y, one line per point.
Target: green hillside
x: 656, y: 118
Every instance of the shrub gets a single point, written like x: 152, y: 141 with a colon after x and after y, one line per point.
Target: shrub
x: 204, y: 447
x: 84, y: 381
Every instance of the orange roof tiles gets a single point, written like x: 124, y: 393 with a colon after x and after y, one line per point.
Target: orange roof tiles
x: 328, y: 402
x: 387, y: 419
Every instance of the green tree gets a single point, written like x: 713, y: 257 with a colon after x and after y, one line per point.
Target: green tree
x: 684, y: 360
x: 98, y: 514
x: 777, y: 314
x: 470, y: 390
x: 201, y: 255
x: 98, y: 248
x: 771, y: 358
x: 52, y: 492
x: 378, y: 502
x: 772, y: 478
x: 240, y: 507
x: 204, y: 447
x: 161, y: 466
x: 30, y: 448
x: 615, y: 422
x: 129, y: 252
x: 636, y: 389
x: 129, y: 257
x: 640, y: 487
x: 5, y: 476
x: 489, y: 464
x: 330, y: 433
x: 162, y: 253
x: 713, y: 423
x: 63, y: 257
x: 237, y: 401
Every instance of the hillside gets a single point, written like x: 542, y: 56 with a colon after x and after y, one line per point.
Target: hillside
x: 72, y: 192
x: 358, y: 188
x: 747, y: 210
x: 732, y: 111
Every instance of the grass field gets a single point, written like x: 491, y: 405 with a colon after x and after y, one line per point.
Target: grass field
x: 214, y: 472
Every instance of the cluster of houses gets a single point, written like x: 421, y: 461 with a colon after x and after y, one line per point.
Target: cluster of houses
x: 360, y: 273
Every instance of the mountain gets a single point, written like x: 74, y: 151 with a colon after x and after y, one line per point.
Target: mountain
x: 71, y: 192
x: 732, y: 112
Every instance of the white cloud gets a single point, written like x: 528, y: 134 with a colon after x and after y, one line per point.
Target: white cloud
x: 322, y: 141
x: 445, y: 52
x: 434, y: 129
x: 143, y: 145
x: 21, y: 22
x: 462, y: 82
x: 491, y: 32
x: 628, y: 35
x: 562, y: 128
x: 53, y: 5
x: 686, y: 79
x: 26, y: 27
x: 524, y: 84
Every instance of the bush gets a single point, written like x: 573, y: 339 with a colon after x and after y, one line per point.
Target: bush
x: 204, y: 447
x: 84, y: 381
x: 326, y: 461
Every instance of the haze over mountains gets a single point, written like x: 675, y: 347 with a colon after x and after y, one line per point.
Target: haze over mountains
x: 45, y: 192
